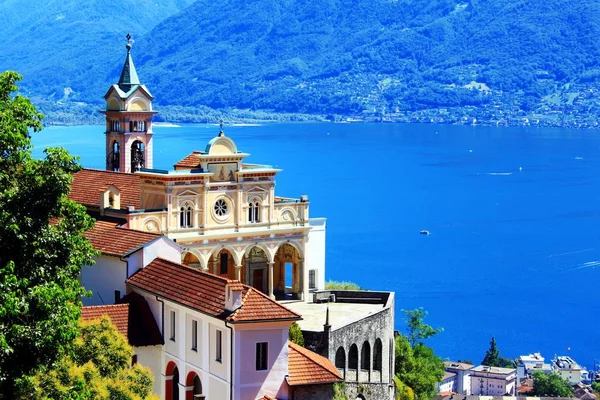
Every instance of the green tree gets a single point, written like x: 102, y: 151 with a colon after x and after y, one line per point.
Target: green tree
x: 341, y: 285
x: 418, y: 368
x: 596, y: 386
x: 493, y: 358
x: 95, y: 366
x: 416, y: 329
x: 295, y: 334
x: 40, y: 261
x: 550, y: 385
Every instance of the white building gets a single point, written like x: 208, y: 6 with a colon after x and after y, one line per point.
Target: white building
x: 463, y: 375
x: 569, y: 370
x: 447, y: 384
x: 493, y: 381
x: 527, y: 365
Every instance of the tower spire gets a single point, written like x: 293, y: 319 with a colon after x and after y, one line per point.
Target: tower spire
x: 129, y: 76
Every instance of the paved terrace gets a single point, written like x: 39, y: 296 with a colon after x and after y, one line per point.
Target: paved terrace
x: 340, y: 313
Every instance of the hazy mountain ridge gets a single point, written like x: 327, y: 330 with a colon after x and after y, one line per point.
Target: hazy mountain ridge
x: 334, y: 56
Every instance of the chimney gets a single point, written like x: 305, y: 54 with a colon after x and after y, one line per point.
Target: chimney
x: 233, y: 295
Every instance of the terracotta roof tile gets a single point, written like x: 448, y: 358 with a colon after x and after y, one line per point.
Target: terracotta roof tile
x: 132, y: 317
x: 267, y: 397
x: 87, y: 184
x: 205, y: 292
x: 111, y: 239
x: 118, y: 314
x: 306, y: 367
x: 189, y: 161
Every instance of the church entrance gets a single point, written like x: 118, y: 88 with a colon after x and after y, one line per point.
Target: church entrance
x: 257, y: 269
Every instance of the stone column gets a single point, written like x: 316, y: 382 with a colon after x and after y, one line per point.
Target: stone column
x: 301, y: 279
x: 271, y: 295
x: 238, y: 272
x: 215, y: 265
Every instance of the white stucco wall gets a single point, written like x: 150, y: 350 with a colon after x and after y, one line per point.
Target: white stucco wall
x: 163, y: 248
x: 152, y: 357
x: 315, y: 253
x: 102, y: 279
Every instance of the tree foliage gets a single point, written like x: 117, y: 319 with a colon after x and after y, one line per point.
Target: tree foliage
x: 95, y: 366
x: 417, y: 368
x: 40, y: 261
x: 493, y: 358
x: 341, y: 285
x: 550, y: 385
x: 416, y: 329
x: 295, y: 334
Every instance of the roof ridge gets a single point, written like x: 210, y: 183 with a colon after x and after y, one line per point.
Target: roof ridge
x: 195, y: 270
x: 157, y: 235
x: 271, y: 300
x: 244, y: 298
x: 108, y: 172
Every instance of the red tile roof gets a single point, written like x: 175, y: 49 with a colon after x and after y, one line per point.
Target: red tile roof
x: 132, y: 318
x: 118, y: 314
x: 307, y: 368
x: 205, y: 292
x: 114, y: 240
x: 189, y: 161
x: 88, y: 183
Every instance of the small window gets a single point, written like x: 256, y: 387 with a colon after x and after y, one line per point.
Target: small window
x: 133, y: 360
x: 219, y: 345
x: 312, y: 279
x: 194, y: 335
x: 262, y: 353
x: 224, y: 262
x: 172, y: 336
x: 185, y: 217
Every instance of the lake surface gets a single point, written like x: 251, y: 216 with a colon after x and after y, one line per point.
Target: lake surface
x: 514, y: 216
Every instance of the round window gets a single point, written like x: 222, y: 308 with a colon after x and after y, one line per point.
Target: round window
x: 221, y: 207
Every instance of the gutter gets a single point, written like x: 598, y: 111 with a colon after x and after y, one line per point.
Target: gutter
x: 230, y: 360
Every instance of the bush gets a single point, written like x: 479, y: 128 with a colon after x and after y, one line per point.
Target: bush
x: 341, y: 285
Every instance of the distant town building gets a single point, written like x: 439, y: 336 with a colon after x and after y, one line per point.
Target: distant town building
x: 463, y: 375
x: 568, y: 369
x: 527, y: 365
x: 493, y: 381
x: 447, y: 384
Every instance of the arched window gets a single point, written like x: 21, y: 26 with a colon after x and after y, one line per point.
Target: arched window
x: 113, y: 160
x: 377, y: 355
x: 253, y: 211
x: 197, y: 386
x: 365, y: 356
x: 137, y: 156
x: 175, y: 393
x: 353, y: 357
x: 185, y: 216
x: 171, y: 382
x: 340, y: 358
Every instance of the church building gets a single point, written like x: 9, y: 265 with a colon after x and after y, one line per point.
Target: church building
x: 222, y: 210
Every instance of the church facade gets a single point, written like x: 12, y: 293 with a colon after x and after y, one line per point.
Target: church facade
x: 222, y: 210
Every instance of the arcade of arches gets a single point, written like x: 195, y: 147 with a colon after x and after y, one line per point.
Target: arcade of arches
x: 255, y: 269
x: 193, y: 385
x: 371, y: 365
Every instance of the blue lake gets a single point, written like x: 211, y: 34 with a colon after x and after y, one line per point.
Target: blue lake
x: 514, y: 216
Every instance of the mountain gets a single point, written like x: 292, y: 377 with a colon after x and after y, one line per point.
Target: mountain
x: 490, y: 59
x: 348, y: 55
x: 67, y: 49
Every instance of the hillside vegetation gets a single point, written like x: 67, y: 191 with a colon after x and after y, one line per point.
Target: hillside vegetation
x: 347, y: 57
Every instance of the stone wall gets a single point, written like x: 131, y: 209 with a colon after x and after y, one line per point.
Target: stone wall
x: 312, y: 392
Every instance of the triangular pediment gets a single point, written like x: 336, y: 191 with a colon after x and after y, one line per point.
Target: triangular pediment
x: 188, y: 193
x: 256, y: 189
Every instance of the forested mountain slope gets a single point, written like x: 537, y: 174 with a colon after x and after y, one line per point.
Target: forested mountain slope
x: 347, y: 57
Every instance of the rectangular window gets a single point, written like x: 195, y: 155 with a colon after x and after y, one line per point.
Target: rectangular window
x: 312, y: 279
x: 219, y: 345
x: 224, y: 262
x: 172, y: 335
x: 262, y: 353
x: 194, y: 335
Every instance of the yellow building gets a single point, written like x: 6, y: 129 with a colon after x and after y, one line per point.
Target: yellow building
x: 222, y: 210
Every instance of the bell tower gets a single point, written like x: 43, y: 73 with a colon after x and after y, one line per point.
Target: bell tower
x: 128, y: 121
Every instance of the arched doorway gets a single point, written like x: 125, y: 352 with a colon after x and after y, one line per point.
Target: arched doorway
x: 172, y: 381
x: 113, y: 160
x: 137, y: 156
x: 340, y: 360
x: 256, y: 269
x: 194, y: 387
x: 222, y: 263
x: 287, y: 274
x: 191, y: 260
